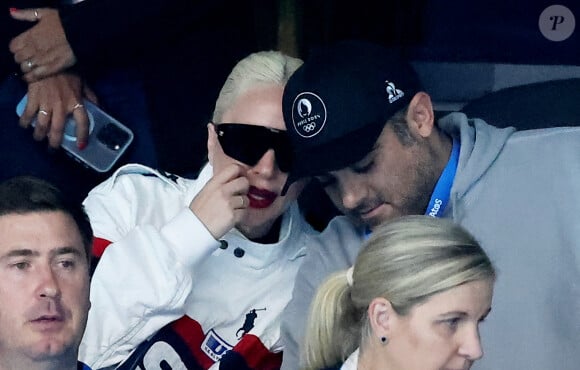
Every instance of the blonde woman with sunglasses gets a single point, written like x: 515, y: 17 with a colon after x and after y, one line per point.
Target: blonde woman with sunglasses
x: 194, y: 273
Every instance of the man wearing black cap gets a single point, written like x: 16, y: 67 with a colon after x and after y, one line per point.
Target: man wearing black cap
x: 361, y: 124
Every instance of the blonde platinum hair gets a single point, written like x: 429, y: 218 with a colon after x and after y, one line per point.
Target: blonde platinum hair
x: 406, y: 261
x: 258, y: 69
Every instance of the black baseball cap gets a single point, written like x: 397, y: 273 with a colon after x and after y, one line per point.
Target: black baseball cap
x: 337, y: 103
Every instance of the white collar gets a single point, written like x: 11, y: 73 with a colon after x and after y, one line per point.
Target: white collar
x: 351, y: 362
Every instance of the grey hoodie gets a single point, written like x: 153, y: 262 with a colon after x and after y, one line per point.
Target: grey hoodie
x: 519, y: 194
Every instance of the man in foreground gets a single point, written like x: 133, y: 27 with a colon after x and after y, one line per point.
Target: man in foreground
x: 44, y: 277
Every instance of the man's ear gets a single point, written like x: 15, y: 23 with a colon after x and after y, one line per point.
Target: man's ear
x: 212, y: 141
x: 381, y: 316
x: 420, y: 115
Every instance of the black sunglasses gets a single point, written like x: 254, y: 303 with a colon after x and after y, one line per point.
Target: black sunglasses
x: 249, y: 143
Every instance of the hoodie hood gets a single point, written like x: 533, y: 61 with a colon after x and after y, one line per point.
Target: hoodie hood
x: 481, y: 144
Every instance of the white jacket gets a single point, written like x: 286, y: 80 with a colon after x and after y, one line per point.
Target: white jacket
x: 165, y: 271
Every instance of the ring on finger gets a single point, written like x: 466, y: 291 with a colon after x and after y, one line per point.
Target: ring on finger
x: 36, y: 14
x: 43, y: 112
x: 29, y: 64
x: 243, y: 201
x: 76, y: 106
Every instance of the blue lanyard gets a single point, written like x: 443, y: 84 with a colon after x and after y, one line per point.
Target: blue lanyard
x: 442, y: 191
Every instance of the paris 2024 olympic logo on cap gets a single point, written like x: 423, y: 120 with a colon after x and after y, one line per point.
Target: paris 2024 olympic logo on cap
x: 308, y: 114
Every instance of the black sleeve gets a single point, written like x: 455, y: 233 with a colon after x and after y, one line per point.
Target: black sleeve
x: 102, y: 32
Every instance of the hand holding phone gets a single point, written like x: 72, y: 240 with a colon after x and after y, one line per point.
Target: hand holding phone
x: 108, y: 138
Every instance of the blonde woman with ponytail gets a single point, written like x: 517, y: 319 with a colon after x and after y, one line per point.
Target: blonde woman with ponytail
x: 414, y: 300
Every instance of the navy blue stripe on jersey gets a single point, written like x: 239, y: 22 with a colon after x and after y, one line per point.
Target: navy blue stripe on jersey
x: 183, y: 345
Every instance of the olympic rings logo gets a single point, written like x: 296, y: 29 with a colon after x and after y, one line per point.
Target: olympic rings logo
x: 309, y: 127
x: 308, y: 114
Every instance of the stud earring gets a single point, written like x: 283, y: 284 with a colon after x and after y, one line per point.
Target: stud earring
x: 384, y: 340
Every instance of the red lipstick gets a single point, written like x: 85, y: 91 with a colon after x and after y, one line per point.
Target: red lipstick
x: 261, y: 198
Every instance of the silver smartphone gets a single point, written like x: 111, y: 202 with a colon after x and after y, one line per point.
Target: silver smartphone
x: 108, y: 138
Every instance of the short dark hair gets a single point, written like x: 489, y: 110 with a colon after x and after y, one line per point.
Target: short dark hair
x: 26, y: 194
